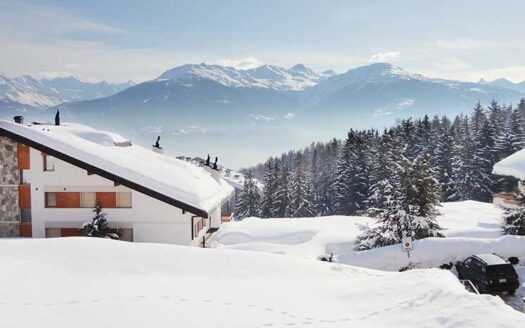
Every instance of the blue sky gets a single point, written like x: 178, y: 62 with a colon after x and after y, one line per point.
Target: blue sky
x: 118, y: 40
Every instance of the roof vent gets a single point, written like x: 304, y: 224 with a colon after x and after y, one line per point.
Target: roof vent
x: 156, y: 147
x: 124, y: 143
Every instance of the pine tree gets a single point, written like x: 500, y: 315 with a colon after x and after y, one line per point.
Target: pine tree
x: 249, y: 201
x: 518, y: 131
x: 411, y: 195
x: 324, y: 179
x: 99, y: 226
x: 282, y: 194
x: 480, y: 169
x: 521, y: 110
x: 301, y: 194
x: 268, y: 207
x: 342, y: 178
x: 514, y: 222
x: 427, y: 189
x: 383, y: 173
x: 352, y: 182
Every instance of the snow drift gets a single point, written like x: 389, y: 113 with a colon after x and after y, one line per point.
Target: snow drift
x: 471, y: 227
x: 103, y: 283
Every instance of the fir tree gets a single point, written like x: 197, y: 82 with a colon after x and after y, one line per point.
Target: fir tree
x: 301, y: 194
x: 99, y: 226
x: 342, y: 178
x: 282, y: 194
x: 249, y: 201
x: 411, y: 195
x: 268, y: 205
x: 514, y: 222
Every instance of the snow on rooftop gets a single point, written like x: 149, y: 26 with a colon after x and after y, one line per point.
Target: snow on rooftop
x: 185, y: 182
x: 514, y: 165
x: 491, y: 259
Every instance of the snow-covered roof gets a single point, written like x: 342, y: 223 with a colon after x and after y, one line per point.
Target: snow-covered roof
x: 514, y: 165
x: 491, y: 259
x: 192, y: 188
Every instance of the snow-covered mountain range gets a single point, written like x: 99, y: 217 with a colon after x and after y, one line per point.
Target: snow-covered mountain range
x: 376, y: 89
x: 296, y: 78
x: 28, y: 91
x: 285, y: 107
x: 504, y: 83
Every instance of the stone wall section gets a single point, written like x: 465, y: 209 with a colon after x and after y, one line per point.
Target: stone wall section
x: 9, y: 181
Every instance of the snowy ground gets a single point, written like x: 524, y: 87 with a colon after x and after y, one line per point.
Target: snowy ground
x: 101, y: 283
x: 471, y: 227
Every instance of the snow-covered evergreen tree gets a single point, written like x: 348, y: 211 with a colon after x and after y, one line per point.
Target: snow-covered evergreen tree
x: 480, y: 173
x: 348, y: 177
x: 269, y: 208
x: 352, y: 182
x: 249, y: 199
x: 409, y: 201
x: 514, y: 222
x: 301, y: 193
x: 282, y: 193
x: 343, y: 176
x: 99, y: 226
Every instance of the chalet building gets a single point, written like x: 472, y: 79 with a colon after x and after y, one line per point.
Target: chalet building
x: 513, y: 166
x: 52, y: 176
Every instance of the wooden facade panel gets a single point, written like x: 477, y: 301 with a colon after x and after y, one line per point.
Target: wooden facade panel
x: 26, y: 230
x: 70, y: 232
x: 107, y: 199
x: 24, y: 162
x: 68, y: 199
x: 24, y: 196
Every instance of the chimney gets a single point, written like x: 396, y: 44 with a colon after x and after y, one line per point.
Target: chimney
x: 19, y: 119
x: 57, y: 118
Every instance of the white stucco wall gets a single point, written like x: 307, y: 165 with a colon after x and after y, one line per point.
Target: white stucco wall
x: 151, y: 220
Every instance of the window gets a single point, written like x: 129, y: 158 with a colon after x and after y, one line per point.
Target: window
x: 197, y: 226
x: 62, y: 199
x: 68, y: 199
x: 88, y: 199
x: 49, y: 163
x: 51, y: 199
x: 124, y: 199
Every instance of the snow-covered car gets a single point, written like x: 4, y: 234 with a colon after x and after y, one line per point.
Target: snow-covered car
x: 489, y: 273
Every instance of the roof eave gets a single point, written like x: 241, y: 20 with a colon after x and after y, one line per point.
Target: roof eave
x: 105, y: 174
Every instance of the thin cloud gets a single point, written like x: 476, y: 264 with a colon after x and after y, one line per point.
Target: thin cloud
x: 384, y: 57
x: 464, y: 44
x: 289, y: 116
x: 54, y: 75
x: 264, y: 118
x: 242, y: 63
x: 52, y: 23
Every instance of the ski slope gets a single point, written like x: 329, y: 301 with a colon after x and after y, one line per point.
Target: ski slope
x: 85, y: 282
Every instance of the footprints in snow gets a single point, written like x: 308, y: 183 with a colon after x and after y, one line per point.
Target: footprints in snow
x: 292, y: 320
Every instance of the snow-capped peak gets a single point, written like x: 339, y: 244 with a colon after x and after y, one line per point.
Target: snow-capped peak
x: 46, y: 92
x: 265, y: 76
x: 377, y: 72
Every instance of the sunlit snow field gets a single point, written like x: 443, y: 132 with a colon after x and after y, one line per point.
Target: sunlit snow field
x: 89, y: 282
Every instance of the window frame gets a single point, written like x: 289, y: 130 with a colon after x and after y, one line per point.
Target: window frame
x: 45, y: 165
x: 82, y: 194
x: 46, y: 199
x: 117, y: 202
